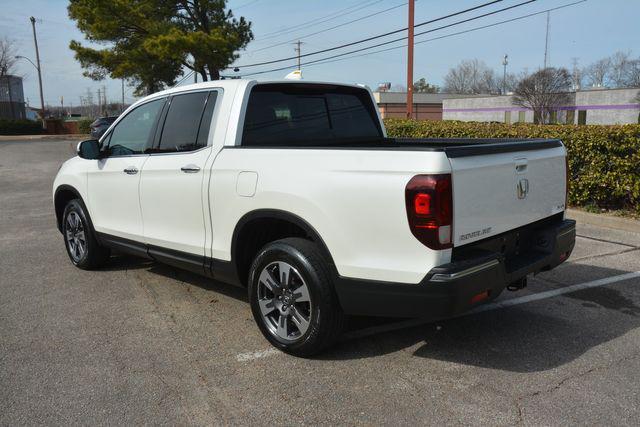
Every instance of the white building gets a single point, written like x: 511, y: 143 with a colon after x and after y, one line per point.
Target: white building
x: 594, y: 106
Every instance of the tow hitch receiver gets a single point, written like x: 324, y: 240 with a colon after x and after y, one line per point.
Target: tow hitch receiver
x: 518, y: 284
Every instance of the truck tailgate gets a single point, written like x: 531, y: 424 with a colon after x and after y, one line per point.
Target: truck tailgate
x: 497, y: 192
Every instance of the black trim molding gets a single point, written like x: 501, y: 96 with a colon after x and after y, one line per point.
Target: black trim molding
x: 184, y: 260
x: 453, y: 148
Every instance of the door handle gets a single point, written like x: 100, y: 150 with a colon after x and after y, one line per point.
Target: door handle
x: 131, y: 170
x: 190, y: 169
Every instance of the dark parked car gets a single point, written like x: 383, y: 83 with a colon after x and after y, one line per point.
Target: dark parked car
x: 100, y: 126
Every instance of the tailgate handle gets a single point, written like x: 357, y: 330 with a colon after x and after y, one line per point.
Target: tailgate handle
x: 521, y: 165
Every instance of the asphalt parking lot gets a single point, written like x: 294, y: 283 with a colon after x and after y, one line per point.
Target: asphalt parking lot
x: 139, y: 342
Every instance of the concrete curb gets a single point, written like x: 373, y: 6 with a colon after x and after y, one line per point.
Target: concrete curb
x: 603, y: 220
x: 75, y: 136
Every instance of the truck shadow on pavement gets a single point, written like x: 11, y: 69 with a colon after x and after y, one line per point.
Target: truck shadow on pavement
x: 125, y: 262
x: 530, y: 337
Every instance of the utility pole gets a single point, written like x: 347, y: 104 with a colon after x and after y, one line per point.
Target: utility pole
x: 410, y: 61
x: 35, y: 41
x: 62, y: 106
x: 504, y: 74
x: 298, y: 50
x: 576, y: 74
x: 104, y: 98
x: 99, y: 103
x: 546, y: 42
x: 122, y: 108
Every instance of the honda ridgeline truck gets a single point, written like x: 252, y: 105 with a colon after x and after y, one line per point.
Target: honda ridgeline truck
x: 294, y: 191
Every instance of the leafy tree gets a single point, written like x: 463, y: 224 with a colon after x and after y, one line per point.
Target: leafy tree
x: 149, y: 42
x: 544, y: 91
x: 421, y: 86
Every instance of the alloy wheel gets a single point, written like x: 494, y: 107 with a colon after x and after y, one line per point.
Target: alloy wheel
x: 284, y: 300
x: 75, y: 235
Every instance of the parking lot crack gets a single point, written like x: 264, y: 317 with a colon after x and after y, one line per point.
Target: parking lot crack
x: 624, y: 251
x: 578, y: 375
x: 201, y: 387
x: 607, y: 241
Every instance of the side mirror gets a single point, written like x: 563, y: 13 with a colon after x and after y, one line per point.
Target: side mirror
x: 89, y: 149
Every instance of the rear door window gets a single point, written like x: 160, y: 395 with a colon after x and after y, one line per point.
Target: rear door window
x: 309, y: 115
x: 187, y: 123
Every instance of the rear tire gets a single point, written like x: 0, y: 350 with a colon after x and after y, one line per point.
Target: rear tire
x: 80, y: 238
x: 292, y: 297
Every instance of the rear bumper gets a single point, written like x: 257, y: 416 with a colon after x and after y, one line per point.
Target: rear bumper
x: 453, y: 288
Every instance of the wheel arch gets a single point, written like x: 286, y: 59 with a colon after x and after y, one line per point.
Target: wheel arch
x: 63, y: 195
x: 262, y: 226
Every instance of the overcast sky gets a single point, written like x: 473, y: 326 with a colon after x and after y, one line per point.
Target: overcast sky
x: 586, y: 31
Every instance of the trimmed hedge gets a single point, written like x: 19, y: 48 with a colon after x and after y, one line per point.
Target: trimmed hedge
x: 20, y: 127
x: 604, y: 161
x: 84, y: 125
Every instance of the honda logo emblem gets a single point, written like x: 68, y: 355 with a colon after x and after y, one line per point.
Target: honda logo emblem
x: 523, y: 188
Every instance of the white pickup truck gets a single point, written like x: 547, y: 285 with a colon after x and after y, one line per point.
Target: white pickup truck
x: 293, y: 190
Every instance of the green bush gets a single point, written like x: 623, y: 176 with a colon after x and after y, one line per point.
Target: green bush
x: 604, y: 161
x: 83, y: 125
x: 20, y: 127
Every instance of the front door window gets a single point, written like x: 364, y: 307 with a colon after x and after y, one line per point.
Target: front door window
x: 132, y: 133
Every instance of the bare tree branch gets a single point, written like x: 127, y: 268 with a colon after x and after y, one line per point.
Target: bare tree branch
x: 543, y: 92
x: 598, y: 72
x: 472, y: 77
x: 7, y: 56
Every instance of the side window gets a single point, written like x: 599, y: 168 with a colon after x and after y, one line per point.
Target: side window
x: 131, y: 135
x: 187, y: 124
x: 207, y: 116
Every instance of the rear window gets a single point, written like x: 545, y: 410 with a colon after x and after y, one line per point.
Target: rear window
x: 187, y: 124
x: 293, y: 114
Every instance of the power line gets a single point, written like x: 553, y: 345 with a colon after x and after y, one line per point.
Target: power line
x: 381, y: 35
x: 186, y: 76
x: 404, y: 38
x: 331, y: 59
x: 328, y: 29
x: 318, y: 20
x: 246, y: 4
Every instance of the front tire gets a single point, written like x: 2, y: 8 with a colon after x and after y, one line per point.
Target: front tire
x: 79, y: 238
x: 292, y: 297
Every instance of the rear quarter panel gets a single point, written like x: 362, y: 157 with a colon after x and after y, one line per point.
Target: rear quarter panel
x: 354, y: 199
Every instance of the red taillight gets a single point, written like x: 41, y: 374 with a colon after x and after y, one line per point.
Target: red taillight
x: 422, y: 204
x: 430, y: 209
